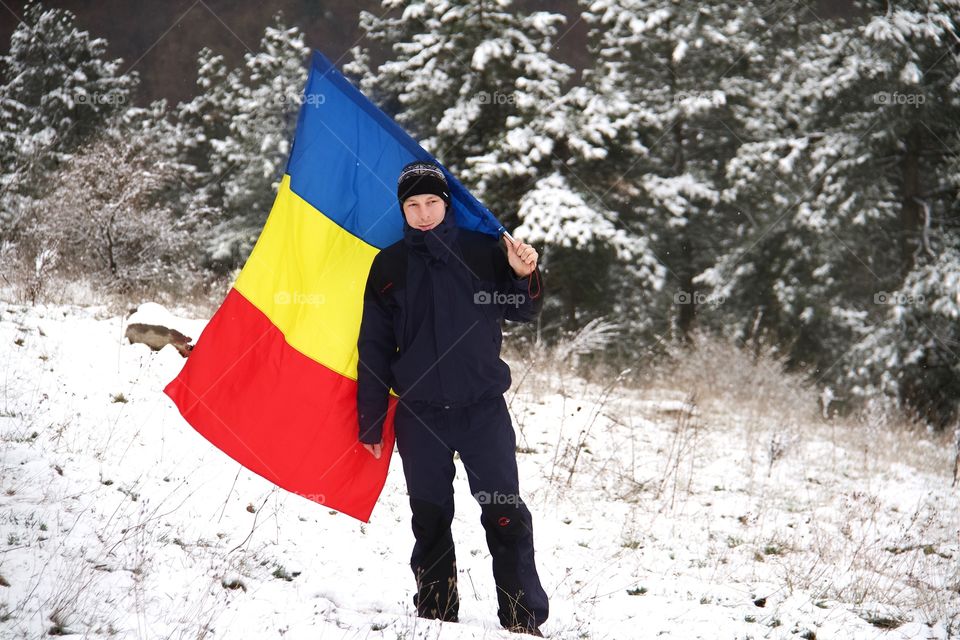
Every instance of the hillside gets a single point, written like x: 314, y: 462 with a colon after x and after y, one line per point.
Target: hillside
x: 656, y: 514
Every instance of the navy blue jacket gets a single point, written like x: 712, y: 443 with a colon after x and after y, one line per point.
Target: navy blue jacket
x: 431, y: 327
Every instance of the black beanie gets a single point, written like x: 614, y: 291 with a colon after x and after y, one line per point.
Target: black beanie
x: 420, y: 177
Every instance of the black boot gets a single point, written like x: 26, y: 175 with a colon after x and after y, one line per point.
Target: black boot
x: 435, y: 602
x: 434, y: 562
x: 530, y: 631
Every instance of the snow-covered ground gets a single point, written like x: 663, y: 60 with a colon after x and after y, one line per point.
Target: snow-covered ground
x: 652, y: 518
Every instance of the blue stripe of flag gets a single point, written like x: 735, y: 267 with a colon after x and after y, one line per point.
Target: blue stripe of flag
x: 346, y: 157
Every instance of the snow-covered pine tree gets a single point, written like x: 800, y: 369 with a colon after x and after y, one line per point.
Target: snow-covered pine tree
x: 662, y: 112
x: 237, y: 133
x: 58, y: 89
x: 582, y: 251
x: 203, y: 119
x: 475, y: 83
x: 913, y: 354
x: 156, y: 132
x: 847, y: 186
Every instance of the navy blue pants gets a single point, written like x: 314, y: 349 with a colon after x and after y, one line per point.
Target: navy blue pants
x: 483, y: 435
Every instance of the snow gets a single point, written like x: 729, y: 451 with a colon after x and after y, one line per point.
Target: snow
x: 881, y: 30
x: 676, y: 194
x: 679, y: 52
x: 153, y: 313
x: 553, y: 214
x: 122, y: 521
x: 911, y: 73
x: 490, y: 50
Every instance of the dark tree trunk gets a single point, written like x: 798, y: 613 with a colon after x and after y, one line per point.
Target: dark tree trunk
x: 687, y: 313
x: 911, y: 209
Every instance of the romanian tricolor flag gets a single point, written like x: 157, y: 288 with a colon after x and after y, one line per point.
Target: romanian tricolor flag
x: 272, y: 380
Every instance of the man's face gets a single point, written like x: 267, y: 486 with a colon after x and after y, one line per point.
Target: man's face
x: 424, y: 211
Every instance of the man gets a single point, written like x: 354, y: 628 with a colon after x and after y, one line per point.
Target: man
x: 431, y: 331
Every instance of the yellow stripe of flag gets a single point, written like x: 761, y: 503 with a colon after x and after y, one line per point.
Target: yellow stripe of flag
x: 307, y: 275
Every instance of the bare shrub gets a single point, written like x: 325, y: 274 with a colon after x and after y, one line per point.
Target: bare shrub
x: 679, y: 466
x: 577, y: 354
x: 724, y: 374
x: 106, y: 218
